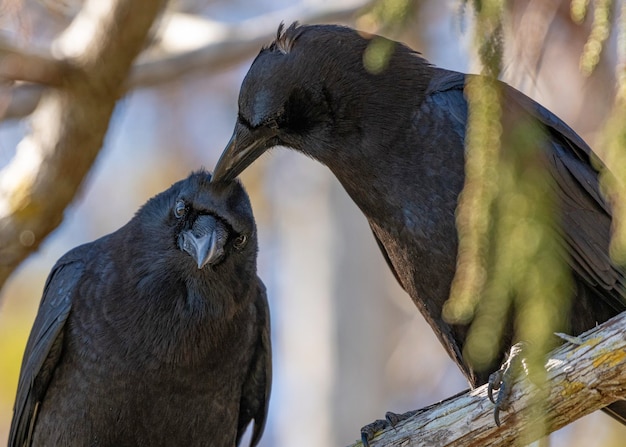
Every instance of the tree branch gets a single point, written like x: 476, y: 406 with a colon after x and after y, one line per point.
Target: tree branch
x: 69, y: 124
x: 224, y: 46
x: 20, y: 100
x: 19, y: 64
x: 581, y: 378
x: 214, y: 46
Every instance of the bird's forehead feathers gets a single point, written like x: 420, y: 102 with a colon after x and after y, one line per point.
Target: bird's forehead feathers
x: 261, y: 105
x: 227, y: 201
x: 265, y: 88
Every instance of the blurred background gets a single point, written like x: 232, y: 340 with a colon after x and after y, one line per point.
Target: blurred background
x: 348, y: 343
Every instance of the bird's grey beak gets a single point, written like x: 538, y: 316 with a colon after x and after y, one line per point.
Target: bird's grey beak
x: 243, y: 148
x: 204, y: 242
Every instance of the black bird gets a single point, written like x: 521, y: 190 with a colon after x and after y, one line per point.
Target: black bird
x: 395, y: 141
x: 154, y: 335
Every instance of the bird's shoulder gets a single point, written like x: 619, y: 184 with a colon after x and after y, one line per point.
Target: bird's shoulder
x: 443, y: 110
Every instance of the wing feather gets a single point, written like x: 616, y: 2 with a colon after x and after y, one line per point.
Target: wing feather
x: 43, y: 349
x: 256, y: 389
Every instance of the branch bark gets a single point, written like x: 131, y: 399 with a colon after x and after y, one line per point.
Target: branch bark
x: 582, y: 377
x: 20, y: 64
x: 69, y: 124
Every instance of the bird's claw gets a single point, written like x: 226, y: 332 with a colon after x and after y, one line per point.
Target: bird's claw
x: 501, y: 381
x: 369, y: 431
x: 495, y: 380
x: 497, y: 383
x: 391, y: 420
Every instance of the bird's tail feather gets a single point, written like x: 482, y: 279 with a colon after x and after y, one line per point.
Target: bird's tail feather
x: 617, y: 410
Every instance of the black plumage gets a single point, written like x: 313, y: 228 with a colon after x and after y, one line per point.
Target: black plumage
x: 156, y: 334
x: 395, y: 139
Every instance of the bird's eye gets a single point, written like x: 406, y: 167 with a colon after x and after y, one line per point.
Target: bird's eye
x: 240, y: 241
x: 180, y: 209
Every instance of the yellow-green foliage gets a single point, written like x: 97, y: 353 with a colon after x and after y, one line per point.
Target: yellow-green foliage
x: 600, y: 30
x: 386, y: 16
x: 509, y: 256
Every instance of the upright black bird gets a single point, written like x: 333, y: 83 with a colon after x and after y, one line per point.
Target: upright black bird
x: 154, y: 335
x: 395, y: 141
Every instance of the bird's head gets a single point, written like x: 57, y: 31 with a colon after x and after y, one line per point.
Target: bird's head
x: 305, y: 91
x: 205, y: 224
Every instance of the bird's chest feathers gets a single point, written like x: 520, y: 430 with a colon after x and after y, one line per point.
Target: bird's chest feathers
x: 175, y: 324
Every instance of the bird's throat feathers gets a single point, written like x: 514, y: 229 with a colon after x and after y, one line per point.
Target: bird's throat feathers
x: 215, y: 300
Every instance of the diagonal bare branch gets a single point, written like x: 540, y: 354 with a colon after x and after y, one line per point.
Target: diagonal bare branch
x: 215, y: 46
x: 582, y: 377
x: 20, y: 64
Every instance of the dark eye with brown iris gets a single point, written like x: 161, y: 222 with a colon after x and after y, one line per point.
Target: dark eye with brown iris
x: 180, y: 209
x: 240, y: 241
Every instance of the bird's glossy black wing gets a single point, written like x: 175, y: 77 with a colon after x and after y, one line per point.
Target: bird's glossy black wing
x: 585, y: 214
x: 256, y: 389
x: 445, y: 101
x: 43, y: 349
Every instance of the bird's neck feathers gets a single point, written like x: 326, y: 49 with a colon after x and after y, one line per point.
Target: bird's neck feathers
x: 216, y: 294
x: 372, y: 126
x: 395, y: 87
x: 195, y: 316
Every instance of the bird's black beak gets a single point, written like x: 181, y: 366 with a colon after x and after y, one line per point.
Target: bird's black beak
x: 204, y: 241
x: 244, y: 147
